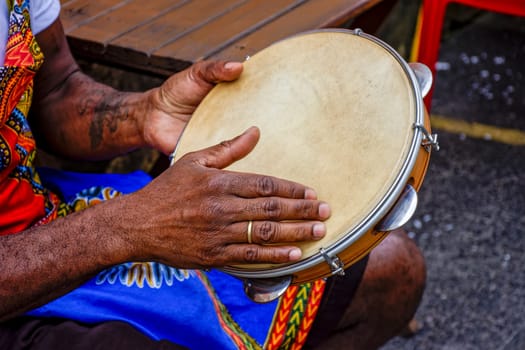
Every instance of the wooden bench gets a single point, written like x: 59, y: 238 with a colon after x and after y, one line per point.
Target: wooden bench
x: 166, y: 36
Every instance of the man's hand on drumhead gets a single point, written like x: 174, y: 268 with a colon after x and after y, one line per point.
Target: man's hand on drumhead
x: 196, y: 215
x: 169, y: 107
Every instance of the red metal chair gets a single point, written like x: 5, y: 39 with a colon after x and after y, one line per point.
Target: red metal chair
x: 430, y: 25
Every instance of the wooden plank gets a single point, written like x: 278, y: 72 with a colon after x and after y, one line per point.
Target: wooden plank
x: 313, y: 14
x: 123, y: 19
x: 226, y: 29
x: 66, y: 2
x: 136, y: 46
x: 175, y: 24
x: 76, y: 13
x: 162, y: 36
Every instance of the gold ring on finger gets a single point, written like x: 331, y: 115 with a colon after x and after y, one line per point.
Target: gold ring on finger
x: 249, y: 231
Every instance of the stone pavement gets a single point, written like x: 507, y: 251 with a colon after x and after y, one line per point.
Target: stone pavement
x: 470, y: 222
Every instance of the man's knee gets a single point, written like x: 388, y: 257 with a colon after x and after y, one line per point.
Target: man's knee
x: 392, y: 285
x: 399, y: 262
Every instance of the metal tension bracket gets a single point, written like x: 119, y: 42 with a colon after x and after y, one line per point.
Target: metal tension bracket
x: 335, y: 264
x: 430, y: 141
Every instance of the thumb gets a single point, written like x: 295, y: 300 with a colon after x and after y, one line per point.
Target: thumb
x: 227, y: 152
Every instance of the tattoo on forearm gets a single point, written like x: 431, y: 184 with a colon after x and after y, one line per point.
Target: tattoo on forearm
x: 108, y: 110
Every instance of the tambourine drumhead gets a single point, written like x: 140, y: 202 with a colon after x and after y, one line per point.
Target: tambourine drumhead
x: 336, y: 112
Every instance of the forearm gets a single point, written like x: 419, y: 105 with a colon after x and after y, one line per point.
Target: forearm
x: 45, y: 262
x: 83, y: 119
x: 74, y: 116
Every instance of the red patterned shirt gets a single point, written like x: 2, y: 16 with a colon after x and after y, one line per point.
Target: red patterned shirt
x: 23, y: 200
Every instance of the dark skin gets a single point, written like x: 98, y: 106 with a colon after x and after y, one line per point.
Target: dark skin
x: 102, y: 122
x: 203, y: 226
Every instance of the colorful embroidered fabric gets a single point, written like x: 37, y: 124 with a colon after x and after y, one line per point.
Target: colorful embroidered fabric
x: 192, y: 308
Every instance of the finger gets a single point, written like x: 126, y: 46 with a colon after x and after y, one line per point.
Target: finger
x: 228, y: 152
x: 279, y: 209
x: 252, y: 253
x: 253, y: 186
x: 271, y: 232
x: 217, y: 71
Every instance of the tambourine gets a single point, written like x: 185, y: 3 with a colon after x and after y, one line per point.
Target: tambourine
x: 339, y: 111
